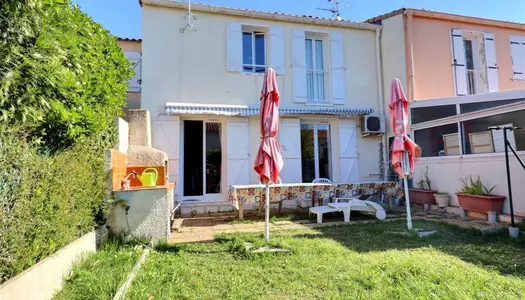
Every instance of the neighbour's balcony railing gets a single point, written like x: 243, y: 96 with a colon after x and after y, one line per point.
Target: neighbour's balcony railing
x: 477, y: 82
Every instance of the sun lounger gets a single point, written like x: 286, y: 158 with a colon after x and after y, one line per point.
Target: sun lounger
x: 363, y: 206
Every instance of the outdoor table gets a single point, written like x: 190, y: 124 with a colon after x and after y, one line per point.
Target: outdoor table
x: 238, y: 195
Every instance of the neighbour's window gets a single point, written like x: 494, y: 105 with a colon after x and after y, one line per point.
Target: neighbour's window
x: 315, y: 151
x: 253, y: 52
x: 475, y: 106
x: 477, y: 139
x: 438, y: 141
x: 425, y: 114
x: 315, y: 73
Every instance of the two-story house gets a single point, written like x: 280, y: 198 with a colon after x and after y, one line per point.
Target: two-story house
x: 441, y: 55
x: 201, y: 84
x: 463, y: 75
x: 132, y: 49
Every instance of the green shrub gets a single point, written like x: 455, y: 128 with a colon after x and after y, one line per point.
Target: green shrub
x: 475, y: 187
x: 46, y: 201
x: 63, y: 77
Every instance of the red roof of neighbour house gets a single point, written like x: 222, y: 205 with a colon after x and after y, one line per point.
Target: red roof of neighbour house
x: 447, y: 16
x: 129, y: 40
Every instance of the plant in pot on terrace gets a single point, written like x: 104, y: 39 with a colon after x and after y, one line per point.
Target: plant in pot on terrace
x: 475, y: 196
x: 442, y: 198
x: 424, y: 194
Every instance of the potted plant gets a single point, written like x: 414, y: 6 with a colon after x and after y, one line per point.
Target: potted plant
x: 442, y: 198
x: 424, y: 194
x: 474, y: 196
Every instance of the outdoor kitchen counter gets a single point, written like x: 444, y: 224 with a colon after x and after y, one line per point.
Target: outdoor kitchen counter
x: 314, y: 192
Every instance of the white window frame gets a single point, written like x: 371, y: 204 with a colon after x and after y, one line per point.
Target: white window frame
x: 315, y: 71
x: 458, y: 119
x: 255, y: 33
x: 315, y: 123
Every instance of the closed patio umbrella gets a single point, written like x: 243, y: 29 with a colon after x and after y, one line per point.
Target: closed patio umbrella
x: 404, y: 150
x: 269, y: 162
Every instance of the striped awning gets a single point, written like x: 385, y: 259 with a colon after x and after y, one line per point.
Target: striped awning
x: 173, y: 109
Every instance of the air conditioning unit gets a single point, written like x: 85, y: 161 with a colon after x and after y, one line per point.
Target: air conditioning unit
x: 372, y: 125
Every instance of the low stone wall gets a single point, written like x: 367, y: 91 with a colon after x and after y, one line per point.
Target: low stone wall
x: 44, y: 279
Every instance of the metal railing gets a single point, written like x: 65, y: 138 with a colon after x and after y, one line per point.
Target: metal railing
x: 477, y: 82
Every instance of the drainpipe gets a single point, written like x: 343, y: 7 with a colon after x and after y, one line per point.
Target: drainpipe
x: 411, y: 74
x: 381, y: 96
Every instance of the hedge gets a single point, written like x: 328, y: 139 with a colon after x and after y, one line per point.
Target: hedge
x: 46, y: 201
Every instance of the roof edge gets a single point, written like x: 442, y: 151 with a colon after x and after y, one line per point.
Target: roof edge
x: 449, y: 17
x: 260, y: 14
x: 129, y: 39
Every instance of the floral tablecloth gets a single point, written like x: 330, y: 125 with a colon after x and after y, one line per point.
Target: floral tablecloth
x: 240, y: 194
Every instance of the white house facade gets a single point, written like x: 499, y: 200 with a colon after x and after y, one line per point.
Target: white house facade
x: 202, y: 87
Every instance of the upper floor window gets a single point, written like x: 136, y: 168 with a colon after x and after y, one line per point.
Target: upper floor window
x: 315, y: 71
x: 517, y: 49
x: 253, y: 52
x: 250, y: 49
x: 474, y: 62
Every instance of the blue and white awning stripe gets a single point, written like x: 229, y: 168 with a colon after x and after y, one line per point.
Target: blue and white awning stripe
x: 252, y: 110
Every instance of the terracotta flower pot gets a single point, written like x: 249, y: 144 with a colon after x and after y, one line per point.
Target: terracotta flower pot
x: 422, y: 196
x: 482, y: 204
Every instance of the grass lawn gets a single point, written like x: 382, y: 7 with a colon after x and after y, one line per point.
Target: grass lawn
x: 357, y: 261
x: 360, y: 261
x: 100, y: 275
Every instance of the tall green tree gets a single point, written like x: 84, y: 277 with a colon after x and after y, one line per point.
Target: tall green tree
x: 63, y: 77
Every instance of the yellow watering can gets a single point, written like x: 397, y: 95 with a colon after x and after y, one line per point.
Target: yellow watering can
x: 149, y: 177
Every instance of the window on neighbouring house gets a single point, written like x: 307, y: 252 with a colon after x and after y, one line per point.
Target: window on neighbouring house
x: 438, y: 141
x: 315, y: 73
x: 315, y: 151
x: 253, y: 52
x: 477, y: 139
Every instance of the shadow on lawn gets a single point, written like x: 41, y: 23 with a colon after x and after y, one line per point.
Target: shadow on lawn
x: 494, y: 251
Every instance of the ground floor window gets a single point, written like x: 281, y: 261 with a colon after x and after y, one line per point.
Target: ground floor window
x: 202, y: 158
x: 315, y: 151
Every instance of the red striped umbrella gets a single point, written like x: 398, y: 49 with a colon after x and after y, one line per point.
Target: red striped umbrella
x: 269, y: 162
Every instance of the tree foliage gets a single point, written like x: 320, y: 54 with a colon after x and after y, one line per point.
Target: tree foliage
x: 63, y: 77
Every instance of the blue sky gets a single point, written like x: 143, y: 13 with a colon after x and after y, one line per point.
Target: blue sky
x: 123, y: 17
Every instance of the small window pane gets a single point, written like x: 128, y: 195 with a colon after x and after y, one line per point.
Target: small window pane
x: 307, y: 152
x: 324, y: 149
x: 425, y: 114
x: 476, y: 135
x: 319, y: 55
x: 309, y: 58
x: 247, y: 52
x: 432, y: 140
x: 470, y: 107
x: 213, y: 158
x: 259, y: 50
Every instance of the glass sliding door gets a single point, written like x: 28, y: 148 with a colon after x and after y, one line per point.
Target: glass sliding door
x: 213, y: 158
x: 202, y: 159
x: 315, y: 151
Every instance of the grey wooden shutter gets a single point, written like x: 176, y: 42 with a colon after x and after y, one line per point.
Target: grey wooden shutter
x: 277, y: 50
x: 337, y: 68
x: 492, y: 65
x: 517, y: 50
x: 234, y: 47
x: 458, y: 57
x: 299, y: 66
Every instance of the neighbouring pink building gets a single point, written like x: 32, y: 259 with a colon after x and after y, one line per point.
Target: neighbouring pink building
x: 462, y: 75
x: 440, y: 55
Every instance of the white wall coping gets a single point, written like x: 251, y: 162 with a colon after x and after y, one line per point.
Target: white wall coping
x: 221, y: 10
x: 44, y: 279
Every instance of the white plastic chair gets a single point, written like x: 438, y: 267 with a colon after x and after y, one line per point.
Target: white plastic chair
x: 322, y: 180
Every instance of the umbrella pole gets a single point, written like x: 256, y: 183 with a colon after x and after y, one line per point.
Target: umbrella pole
x: 267, y: 219
x: 406, y: 171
